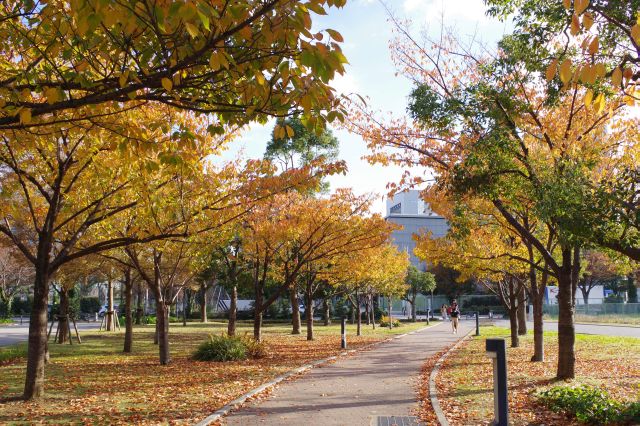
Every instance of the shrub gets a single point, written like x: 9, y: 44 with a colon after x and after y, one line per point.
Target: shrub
x: 221, y: 348
x: 384, y: 322
x: 254, y: 349
x: 589, y: 405
x: 89, y: 305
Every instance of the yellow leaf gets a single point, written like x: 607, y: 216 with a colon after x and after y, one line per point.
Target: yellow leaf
x: 124, y: 77
x: 335, y: 35
x: 260, y: 78
x: 290, y: 131
x: 587, y: 20
x: 551, y: 70
x: 588, y: 97
x: 167, y: 84
x: 594, y: 46
x: 628, y: 73
x: 598, y: 104
x: 565, y: 71
x: 616, y: 77
x: 214, y: 62
x: 635, y: 33
x: 192, y: 30
x: 580, y: 6
x: 575, y: 24
x: 566, y: 4
x: 600, y: 70
x: 25, y: 116
x: 51, y: 94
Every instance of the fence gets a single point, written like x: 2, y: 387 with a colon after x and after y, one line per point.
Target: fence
x: 600, y: 309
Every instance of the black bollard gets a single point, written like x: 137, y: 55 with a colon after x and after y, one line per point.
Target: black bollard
x: 497, y: 351
x: 477, y: 323
x: 343, y: 331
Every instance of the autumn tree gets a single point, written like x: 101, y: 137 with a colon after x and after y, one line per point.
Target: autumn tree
x: 58, y: 194
x: 243, y: 62
x: 377, y: 271
x: 485, y: 129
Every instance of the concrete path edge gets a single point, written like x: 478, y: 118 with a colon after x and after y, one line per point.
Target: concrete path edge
x: 236, y: 403
x: 433, y: 391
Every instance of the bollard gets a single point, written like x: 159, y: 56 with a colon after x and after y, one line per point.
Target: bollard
x: 497, y: 351
x: 477, y: 323
x: 343, y: 331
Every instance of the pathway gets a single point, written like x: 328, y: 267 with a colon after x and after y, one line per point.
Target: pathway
x: 363, y: 389
x: 16, y: 333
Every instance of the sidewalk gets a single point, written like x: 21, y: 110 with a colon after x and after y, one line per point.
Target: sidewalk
x: 360, y: 390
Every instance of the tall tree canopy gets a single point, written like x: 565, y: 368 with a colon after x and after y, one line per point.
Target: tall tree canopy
x: 243, y: 60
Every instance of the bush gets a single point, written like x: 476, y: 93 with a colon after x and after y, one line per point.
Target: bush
x: 254, y: 349
x: 384, y: 322
x: 22, y: 306
x: 589, y: 405
x: 221, y: 348
x: 89, y: 305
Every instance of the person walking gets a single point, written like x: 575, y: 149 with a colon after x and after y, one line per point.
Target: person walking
x: 455, y: 316
x: 443, y: 312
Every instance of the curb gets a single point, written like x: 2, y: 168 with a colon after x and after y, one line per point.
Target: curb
x: 236, y: 403
x: 433, y: 391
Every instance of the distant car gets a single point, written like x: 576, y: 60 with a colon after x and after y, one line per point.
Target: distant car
x: 103, y: 310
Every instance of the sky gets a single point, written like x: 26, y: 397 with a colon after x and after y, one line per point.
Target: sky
x: 366, y: 31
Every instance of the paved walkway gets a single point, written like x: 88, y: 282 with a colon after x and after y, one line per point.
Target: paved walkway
x: 360, y: 390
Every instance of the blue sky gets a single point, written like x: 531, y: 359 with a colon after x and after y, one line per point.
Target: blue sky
x: 366, y: 32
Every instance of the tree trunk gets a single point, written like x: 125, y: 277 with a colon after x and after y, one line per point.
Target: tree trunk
x: 326, y: 312
x: 203, y: 302
x: 390, y: 317
x: 63, y: 316
x: 566, y: 315
x: 522, y: 312
x: 128, y: 316
x: 257, y: 311
x: 513, y: 323
x: 309, y: 314
x: 36, y: 350
x: 162, y: 318
x: 585, y: 295
x: 139, y: 306
x: 110, y: 314
x: 295, y: 310
x: 538, y: 331
x: 233, y: 312
x: 413, y: 308
x: 358, y: 316
x: 367, y: 310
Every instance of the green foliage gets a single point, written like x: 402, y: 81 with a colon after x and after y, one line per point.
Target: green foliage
x: 589, y: 405
x: 6, y: 321
x: 89, y: 305
x: 221, y: 348
x: 420, y: 282
x: 12, y: 353
x: 384, y: 322
x: 229, y: 348
x: 293, y: 145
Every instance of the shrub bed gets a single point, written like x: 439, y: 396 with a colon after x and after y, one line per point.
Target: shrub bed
x: 590, y: 405
x: 224, y: 348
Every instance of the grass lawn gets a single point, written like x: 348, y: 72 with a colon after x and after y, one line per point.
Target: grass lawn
x: 465, y: 382
x: 95, y: 383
